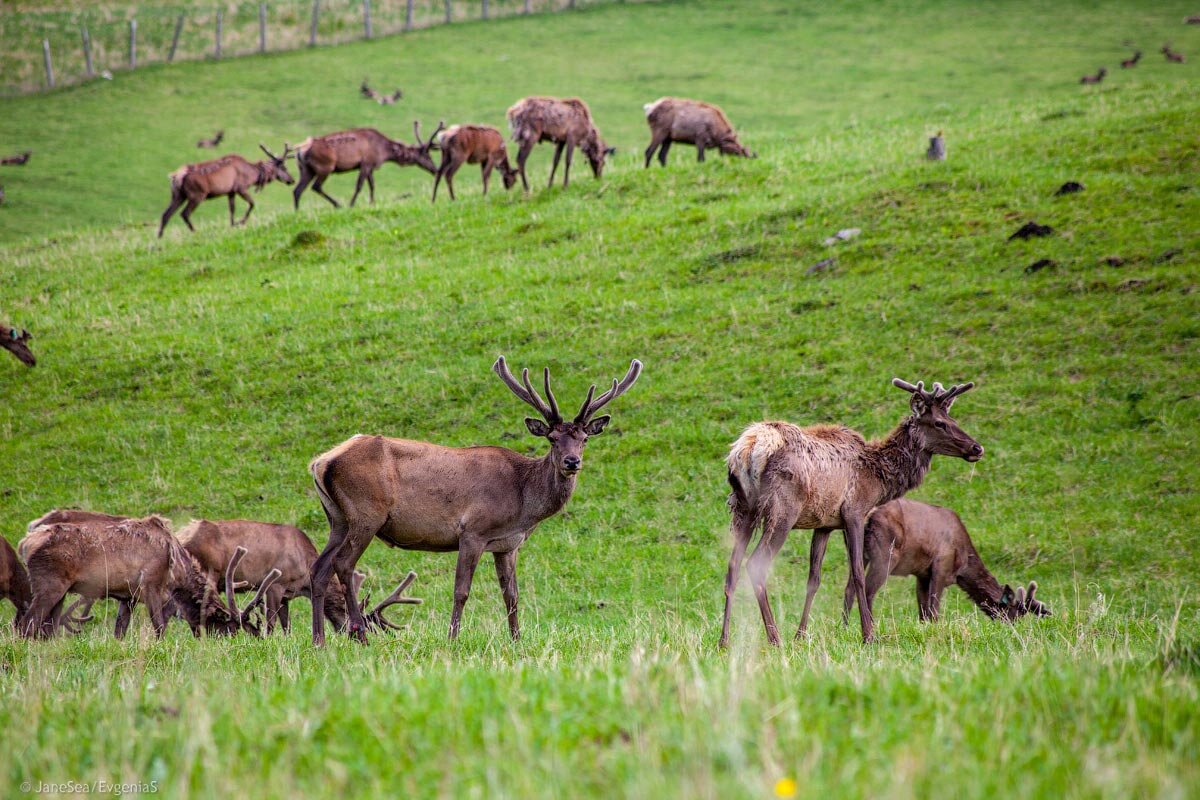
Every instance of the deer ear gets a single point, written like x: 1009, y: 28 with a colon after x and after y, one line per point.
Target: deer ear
x: 1006, y: 596
x: 596, y: 426
x: 537, y: 427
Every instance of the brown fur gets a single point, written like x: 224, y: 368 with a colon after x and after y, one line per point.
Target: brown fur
x: 14, y: 580
x: 679, y: 120
x: 473, y: 144
x: 906, y: 537
x: 16, y: 341
x: 827, y: 477
x: 361, y: 150
x: 228, y: 176
x: 19, y: 160
x: 1099, y: 76
x: 565, y: 122
x: 1171, y: 55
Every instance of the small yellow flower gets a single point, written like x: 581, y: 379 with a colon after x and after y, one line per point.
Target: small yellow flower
x: 785, y: 788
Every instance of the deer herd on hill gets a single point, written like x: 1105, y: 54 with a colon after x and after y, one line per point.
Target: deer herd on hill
x: 565, y: 122
x: 416, y: 495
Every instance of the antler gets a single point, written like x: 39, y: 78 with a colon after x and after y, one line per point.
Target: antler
x: 590, y: 406
x: 527, y: 393
x: 428, y: 143
x: 271, y: 155
x: 376, y: 616
x: 939, y: 394
x: 238, y: 555
x: 73, y: 623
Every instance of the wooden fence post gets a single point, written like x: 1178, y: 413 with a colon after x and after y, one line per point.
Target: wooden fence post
x: 133, y: 44
x: 175, y: 38
x: 448, y: 12
x: 46, y: 60
x: 527, y: 8
x: 87, y: 52
x: 366, y: 19
x: 262, y: 27
x: 408, y: 15
x: 312, y: 31
x: 484, y: 12
x: 217, y: 52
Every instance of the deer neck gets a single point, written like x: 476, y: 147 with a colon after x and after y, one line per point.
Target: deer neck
x: 264, y: 174
x: 980, y: 585
x: 900, y: 461
x: 546, y: 490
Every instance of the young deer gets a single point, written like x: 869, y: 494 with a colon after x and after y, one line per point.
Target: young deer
x: 361, y: 150
x: 568, y: 123
x: 14, y: 580
x: 229, y: 176
x: 905, y: 537
x: 679, y: 120
x: 827, y: 477
x: 16, y: 341
x: 421, y: 496
x: 473, y: 144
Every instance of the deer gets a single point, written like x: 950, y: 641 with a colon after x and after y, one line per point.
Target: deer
x: 16, y: 341
x: 679, y: 120
x: 565, y: 122
x: 1099, y: 76
x: 421, y: 496
x: 825, y: 477
x: 1171, y: 55
x: 361, y: 149
x: 472, y: 144
x: 131, y: 560
x: 378, y: 97
x: 14, y: 580
x: 271, y: 547
x: 1132, y: 62
x: 229, y: 176
x: 212, y: 143
x: 19, y: 160
x: 907, y: 537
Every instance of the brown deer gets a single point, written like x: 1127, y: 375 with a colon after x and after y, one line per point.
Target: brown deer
x: 229, y: 176
x: 567, y: 123
x: 131, y: 560
x: 679, y: 120
x: 361, y: 149
x: 473, y: 144
x: 16, y: 341
x: 379, y: 97
x: 1171, y: 55
x: 1099, y: 76
x: 826, y: 477
x: 906, y: 537
x: 19, y: 160
x: 213, y: 142
x: 268, y: 547
x: 14, y: 580
x: 421, y: 496
x: 1132, y: 62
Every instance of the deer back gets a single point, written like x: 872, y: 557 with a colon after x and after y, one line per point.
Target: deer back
x: 268, y: 546
x: 109, y: 561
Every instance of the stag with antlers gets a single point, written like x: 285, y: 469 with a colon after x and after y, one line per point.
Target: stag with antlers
x: 213, y: 143
x: 363, y: 150
x: 16, y: 341
x: 229, y: 176
x: 473, y: 500
x: 826, y: 477
x: 380, y: 97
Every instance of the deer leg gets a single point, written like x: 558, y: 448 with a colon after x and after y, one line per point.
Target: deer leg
x: 301, y: 184
x: 877, y: 575
x: 242, y: 193
x: 358, y: 184
x: 351, y: 551
x: 41, y: 618
x: 816, y: 557
x: 468, y: 558
x: 450, y: 173
x: 923, y: 584
x: 285, y: 617
x: 231, y: 196
x: 522, y: 157
x: 319, y: 188
x: 775, y: 533
x: 322, y: 570
x: 273, y: 603
x: 741, y: 530
x: 486, y: 169
x: 186, y: 214
x: 506, y: 572
x: 371, y: 185
x: 662, y: 153
x: 700, y: 150
x: 124, y: 615
x: 567, y: 165
x: 558, y: 151
x: 176, y: 201
x: 854, y: 544
x: 655, y: 142
x: 154, y: 604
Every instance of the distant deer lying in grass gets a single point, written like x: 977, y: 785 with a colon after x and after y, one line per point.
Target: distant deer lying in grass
x: 1132, y: 62
x: 361, y: 150
x: 229, y: 176
x: 14, y: 580
x: 16, y: 341
x: 213, y: 142
x: 567, y: 123
x: 473, y: 144
x: 19, y: 160
x: 378, y: 97
x: 679, y: 120
x: 827, y: 477
x: 1099, y: 76
x: 906, y: 537
x: 1171, y: 55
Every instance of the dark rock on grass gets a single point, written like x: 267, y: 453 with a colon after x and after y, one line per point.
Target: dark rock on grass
x: 824, y: 265
x: 1167, y: 255
x: 1039, y: 265
x: 1070, y: 187
x: 1031, y: 229
x: 1113, y: 261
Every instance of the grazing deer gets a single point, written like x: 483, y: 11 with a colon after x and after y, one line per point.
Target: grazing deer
x: 1132, y: 62
x: 17, y: 160
x: 382, y: 99
x: 16, y: 341
x: 826, y: 477
x: 131, y: 560
x: 567, y: 123
x: 268, y: 547
x: 679, y: 120
x: 213, y: 142
x: 473, y: 144
x: 421, y: 496
x: 906, y: 537
x: 361, y: 149
x: 1172, y: 56
x: 228, y: 176
x: 1099, y: 76
x: 14, y: 580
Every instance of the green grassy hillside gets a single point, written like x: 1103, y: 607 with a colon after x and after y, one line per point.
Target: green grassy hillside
x: 196, y: 376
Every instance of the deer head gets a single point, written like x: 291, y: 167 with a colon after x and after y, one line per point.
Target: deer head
x: 276, y: 169
x: 1019, y: 602
x: 566, y: 438
x: 939, y: 432
x: 15, y: 341
x: 419, y: 155
x: 596, y: 151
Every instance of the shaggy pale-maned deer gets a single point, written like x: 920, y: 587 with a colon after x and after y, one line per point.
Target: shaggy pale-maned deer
x: 826, y: 477
x: 473, y: 144
x: 679, y: 120
x: 269, y: 547
x: 906, y: 537
x: 130, y: 560
x: 421, y: 496
x: 363, y: 150
x: 16, y: 341
x: 14, y: 580
x: 229, y: 176
x: 567, y: 122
